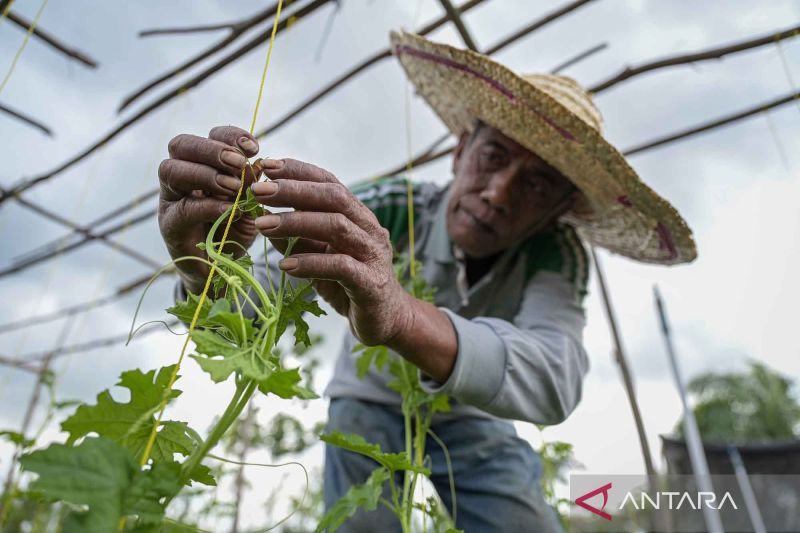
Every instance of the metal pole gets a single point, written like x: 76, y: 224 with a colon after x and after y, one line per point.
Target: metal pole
x: 693, y: 442
x: 622, y: 361
x: 747, y: 490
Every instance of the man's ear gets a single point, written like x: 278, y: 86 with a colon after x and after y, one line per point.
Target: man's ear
x: 459, y: 149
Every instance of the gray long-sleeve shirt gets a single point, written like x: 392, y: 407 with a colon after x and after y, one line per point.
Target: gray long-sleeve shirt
x: 519, y: 328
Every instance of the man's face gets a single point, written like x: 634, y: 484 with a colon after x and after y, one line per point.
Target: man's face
x: 501, y: 193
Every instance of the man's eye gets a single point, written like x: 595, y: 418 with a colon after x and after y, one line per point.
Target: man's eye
x: 492, y: 157
x: 541, y: 186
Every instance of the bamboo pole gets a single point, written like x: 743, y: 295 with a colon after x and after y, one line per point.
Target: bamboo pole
x: 622, y: 362
x: 697, y: 456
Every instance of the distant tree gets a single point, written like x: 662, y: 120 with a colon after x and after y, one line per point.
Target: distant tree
x: 757, y: 405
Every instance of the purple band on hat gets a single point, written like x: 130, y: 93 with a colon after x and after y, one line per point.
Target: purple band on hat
x: 499, y: 87
x: 666, y: 240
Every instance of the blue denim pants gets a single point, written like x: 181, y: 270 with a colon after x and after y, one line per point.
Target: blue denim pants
x: 496, y: 473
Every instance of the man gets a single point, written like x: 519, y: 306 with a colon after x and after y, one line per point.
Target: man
x: 500, y: 245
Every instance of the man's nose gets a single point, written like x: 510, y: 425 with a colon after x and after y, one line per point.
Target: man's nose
x: 498, y: 193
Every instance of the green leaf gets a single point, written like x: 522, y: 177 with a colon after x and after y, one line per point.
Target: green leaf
x: 366, y: 496
x: 17, y: 438
x: 105, y: 477
x: 202, y: 474
x: 131, y: 423
x: 250, y: 205
x: 240, y: 329
x: 440, y: 403
x: 378, y: 354
x: 220, y: 358
x: 143, y: 496
x: 66, y: 404
x: 244, y: 261
x: 284, y: 383
x: 356, y: 443
x: 185, y: 310
x: 294, y: 305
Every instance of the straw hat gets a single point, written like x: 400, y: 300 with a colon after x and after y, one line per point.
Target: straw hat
x: 556, y: 119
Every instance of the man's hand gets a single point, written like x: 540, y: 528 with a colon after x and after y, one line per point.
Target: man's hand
x: 199, y: 182
x: 341, y: 246
x: 348, y: 255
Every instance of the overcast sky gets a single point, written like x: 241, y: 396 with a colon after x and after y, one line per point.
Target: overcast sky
x: 738, y: 300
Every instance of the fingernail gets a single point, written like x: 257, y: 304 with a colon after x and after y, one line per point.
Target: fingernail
x: 272, y: 164
x: 268, y: 222
x: 228, y: 182
x: 224, y: 206
x: 248, y: 144
x: 287, y: 264
x: 265, y: 188
x: 234, y: 159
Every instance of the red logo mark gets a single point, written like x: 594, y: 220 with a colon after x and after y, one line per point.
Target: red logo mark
x: 581, y: 501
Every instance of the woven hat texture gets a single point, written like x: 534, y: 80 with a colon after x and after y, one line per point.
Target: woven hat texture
x: 555, y: 118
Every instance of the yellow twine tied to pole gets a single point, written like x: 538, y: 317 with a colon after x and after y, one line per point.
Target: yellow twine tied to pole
x: 151, y: 440
x: 6, y: 10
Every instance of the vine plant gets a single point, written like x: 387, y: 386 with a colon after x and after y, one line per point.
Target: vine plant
x: 418, y: 408
x: 97, y: 471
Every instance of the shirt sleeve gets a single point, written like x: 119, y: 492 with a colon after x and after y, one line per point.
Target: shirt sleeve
x: 529, y: 369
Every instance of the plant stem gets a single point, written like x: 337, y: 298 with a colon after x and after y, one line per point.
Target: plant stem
x: 244, y: 391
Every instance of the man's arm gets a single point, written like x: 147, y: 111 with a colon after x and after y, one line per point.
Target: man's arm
x: 530, y: 369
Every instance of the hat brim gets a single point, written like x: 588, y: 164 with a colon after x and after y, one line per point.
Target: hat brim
x: 621, y: 213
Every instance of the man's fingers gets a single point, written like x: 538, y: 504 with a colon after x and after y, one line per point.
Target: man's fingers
x: 235, y: 137
x: 333, y: 228
x: 193, y: 210
x: 223, y: 157
x: 343, y: 268
x: 178, y: 178
x: 334, y: 294
x: 292, y: 169
x: 308, y: 196
x: 301, y: 246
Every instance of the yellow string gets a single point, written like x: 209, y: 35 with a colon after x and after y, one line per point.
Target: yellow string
x: 409, y: 186
x: 6, y: 10
x: 151, y: 440
x: 24, y: 42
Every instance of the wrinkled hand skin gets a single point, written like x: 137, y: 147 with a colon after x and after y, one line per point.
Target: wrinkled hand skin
x: 198, y: 182
x: 341, y: 247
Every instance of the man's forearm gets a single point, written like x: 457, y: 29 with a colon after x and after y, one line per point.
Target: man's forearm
x: 428, y: 340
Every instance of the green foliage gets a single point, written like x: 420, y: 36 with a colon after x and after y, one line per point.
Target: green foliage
x: 418, y: 409
x: 285, y: 383
x: 185, y: 310
x: 392, y: 461
x: 295, y: 304
x: 753, y: 406
x: 366, y: 496
x: 130, y: 423
x: 250, y: 205
x: 220, y: 358
x: 16, y: 438
x: 98, y: 473
x: 557, y: 458
x: 103, y: 476
x: 377, y: 355
x: 287, y: 435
